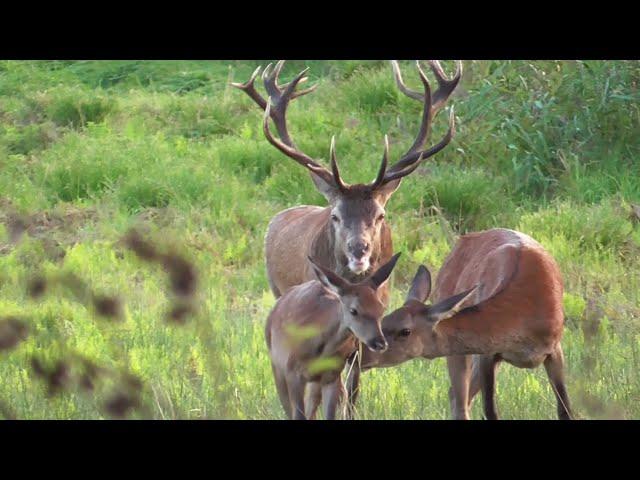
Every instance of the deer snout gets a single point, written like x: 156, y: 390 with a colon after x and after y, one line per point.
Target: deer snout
x: 359, y: 249
x: 378, y: 344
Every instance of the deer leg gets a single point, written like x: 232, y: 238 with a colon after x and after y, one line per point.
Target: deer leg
x: 554, y: 365
x: 296, y: 386
x: 312, y: 399
x: 283, y: 391
x: 487, y: 365
x: 476, y: 380
x: 331, y: 396
x: 353, y: 384
x: 460, y: 375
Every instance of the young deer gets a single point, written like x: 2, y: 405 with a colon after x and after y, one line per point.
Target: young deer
x: 511, y: 291
x: 350, y: 235
x: 337, y: 312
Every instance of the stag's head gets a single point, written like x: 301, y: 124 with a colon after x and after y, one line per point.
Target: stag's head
x: 362, y: 310
x: 357, y: 211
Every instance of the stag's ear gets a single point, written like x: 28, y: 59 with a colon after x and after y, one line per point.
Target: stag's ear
x: 382, y: 274
x: 449, y: 307
x: 329, y: 279
x: 328, y: 190
x: 421, y: 285
x: 383, y: 193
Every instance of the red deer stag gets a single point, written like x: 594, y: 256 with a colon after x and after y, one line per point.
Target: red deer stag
x: 338, y: 312
x: 509, y: 308
x: 350, y: 236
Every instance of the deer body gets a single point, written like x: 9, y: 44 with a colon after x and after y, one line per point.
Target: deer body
x: 289, y: 361
x: 510, y: 310
x: 350, y: 235
x: 339, y: 313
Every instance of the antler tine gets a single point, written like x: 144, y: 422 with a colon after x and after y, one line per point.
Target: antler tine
x: 383, y: 166
x: 446, y: 86
x: 427, y: 115
x: 432, y: 103
x: 250, y: 89
x: 275, y: 108
x: 425, y: 124
x: 290, y: 87
x: 407, y: 161
x: 269, y: 79
x: 300, y: 157
x: 334, y: 166
x: 305, y: 91
x: 401, y: 85
x: 403, y: 173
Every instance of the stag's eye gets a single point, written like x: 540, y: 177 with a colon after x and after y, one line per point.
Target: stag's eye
x: 353, y: 311
x: 381, y: 217
x: 335, y: 218
x: 405, y: 332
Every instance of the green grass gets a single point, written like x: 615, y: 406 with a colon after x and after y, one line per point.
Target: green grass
x: 90, y: 149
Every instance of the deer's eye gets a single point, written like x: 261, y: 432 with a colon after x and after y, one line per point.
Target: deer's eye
x: 353, y: 311
x: 335, y: 218
x: 381, y: 217
x: 405, y: 332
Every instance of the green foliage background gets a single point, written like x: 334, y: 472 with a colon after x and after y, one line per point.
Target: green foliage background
x: 92, y: 148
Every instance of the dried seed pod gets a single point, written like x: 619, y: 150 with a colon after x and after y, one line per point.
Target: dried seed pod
x: 120, y: 404
x: 37, y: 367
x: 182, y: 275
x: 59, y: 377
x: 142, y: 248
x: 106, y: 306
x: 37, y: 286
x: 12, y: 332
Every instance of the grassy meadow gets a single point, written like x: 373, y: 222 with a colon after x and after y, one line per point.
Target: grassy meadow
x: 90, y: 149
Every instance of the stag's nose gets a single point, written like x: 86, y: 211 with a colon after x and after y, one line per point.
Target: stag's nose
x: 359, y: 249
x: 378, y: 344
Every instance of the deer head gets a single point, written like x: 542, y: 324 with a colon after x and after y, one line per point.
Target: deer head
x: 357, y: 211
x: 362, y: 311
x: 410, y: 330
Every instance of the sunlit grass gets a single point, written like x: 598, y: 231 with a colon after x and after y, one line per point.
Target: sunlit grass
x: 548, y: 148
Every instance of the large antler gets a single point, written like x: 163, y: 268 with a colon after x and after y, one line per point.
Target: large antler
x: 275, y: 108
x: 432, y: 105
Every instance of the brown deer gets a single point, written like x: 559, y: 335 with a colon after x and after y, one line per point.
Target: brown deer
x: 350, y: 235
x: 498, y: 297
x: 337, y: 312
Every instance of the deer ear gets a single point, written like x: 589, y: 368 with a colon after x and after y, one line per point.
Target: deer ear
x: 449, y: 307
x: 383, y: 193
x: 328, y: 278
x: 328, y: 190
x: 421, y: 285
x: 382, y: 274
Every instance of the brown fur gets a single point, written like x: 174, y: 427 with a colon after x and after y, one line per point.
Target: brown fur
x: 514, y: 315
x: 339, y: 313
x: 299, y: 232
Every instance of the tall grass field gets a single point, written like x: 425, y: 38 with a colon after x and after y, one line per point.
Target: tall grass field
x: 90, y: 150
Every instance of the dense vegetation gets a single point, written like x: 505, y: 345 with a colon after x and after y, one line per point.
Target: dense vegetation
x: 90, y: 149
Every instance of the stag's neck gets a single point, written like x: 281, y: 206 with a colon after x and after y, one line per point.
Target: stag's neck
x: 458, y: 335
